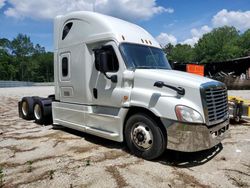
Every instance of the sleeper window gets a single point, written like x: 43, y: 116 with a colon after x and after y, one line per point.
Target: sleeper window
x: 66, y: 30
x: 65, y: 67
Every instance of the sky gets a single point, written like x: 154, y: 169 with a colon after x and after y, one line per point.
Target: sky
x: 169, y: 21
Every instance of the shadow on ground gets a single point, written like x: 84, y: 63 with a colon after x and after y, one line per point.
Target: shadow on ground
x: 170, y: 157
x: 242, y: 122
x: 189, y: 159
x: 94, y: 139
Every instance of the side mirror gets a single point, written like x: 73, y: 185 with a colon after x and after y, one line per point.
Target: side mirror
x: 103, y: 63
x: 103, y: 66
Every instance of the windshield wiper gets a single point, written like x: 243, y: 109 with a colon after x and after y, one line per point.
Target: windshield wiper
x: 179, y: 90
x: 163, y: 68
x: 147, y: 67
x: 143, y: 67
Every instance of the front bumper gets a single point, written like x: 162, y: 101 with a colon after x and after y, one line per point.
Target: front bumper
x: 192, y: 137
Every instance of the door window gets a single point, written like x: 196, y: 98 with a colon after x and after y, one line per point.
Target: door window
x: 113, y: 64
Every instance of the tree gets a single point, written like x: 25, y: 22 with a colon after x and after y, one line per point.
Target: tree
x: 44, y: 70
x: 5, y: 45
x: 218, y: 45
x: 244, y: 42
x: 168, y: 50
x: 21, y: 60
x: 4, y: 50
x: 22, y: 46
x: 39, y: 49
x: 181, y: 53
x: 7, y: 69
x: 23, y: 49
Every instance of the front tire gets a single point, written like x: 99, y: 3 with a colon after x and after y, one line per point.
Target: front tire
x: 144, y: 137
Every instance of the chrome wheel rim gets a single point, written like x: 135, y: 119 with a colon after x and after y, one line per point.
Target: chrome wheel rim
x: 25, y: 108
x: 142, y: 136
x: 37, y: 111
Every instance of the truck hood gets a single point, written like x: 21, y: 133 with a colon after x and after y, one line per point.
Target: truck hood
x: 162, y: 101
x: 171, y: 77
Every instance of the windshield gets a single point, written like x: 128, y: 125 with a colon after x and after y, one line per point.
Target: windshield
x: 143, y: 57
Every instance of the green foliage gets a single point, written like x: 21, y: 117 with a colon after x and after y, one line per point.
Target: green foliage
x: 181, y: 53
x: 1, y: 177
x: 244, y: 42
x: 220, y: 44
x: 168, y: 49
x: 87, y: 162
x: 51, y: 174
x: 29, y: 166
x: 23, y: 61
x: 22, y: 46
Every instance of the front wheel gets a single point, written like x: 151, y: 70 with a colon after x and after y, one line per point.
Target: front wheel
x: 144, y: 137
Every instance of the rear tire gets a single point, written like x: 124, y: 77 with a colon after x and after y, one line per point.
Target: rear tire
x: 26, y: 108
x: 38, y: 113
x: 144, y: 137
x: 42, y: 111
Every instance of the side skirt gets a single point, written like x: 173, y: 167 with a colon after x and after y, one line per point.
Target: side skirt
x: 106, y: 122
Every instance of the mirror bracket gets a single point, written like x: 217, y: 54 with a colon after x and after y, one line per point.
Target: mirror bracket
x: 113, y: 78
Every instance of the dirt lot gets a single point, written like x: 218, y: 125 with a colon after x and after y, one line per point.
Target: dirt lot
x: 40, y: 156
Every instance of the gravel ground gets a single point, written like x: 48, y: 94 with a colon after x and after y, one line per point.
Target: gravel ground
x: 40, y: 156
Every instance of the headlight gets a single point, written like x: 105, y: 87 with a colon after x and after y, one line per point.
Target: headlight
x: 186, y: 114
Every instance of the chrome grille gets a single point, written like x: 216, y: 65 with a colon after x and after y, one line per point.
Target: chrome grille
x: 216, y: 104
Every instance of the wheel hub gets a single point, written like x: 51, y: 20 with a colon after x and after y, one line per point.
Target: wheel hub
x: 25, y: 108
x: 142, y: 136
x: 37, y: 112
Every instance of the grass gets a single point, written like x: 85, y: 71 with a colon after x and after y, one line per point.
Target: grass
x: 87, y: 163
x: 51, y: 174
x: 29, y: 166
x: 1, y: 177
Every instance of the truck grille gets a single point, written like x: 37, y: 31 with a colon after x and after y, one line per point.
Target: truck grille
x: 216, y: 105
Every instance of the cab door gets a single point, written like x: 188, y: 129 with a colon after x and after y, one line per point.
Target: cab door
x: 105, y: 91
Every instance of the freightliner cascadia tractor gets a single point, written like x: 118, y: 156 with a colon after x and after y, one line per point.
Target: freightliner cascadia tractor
x: 113, y: 80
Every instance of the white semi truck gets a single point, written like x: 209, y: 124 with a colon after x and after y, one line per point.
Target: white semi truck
x: 112, y: 80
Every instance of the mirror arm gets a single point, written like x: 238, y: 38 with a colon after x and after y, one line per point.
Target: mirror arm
x: 113, y: 78
x: 108, y: 77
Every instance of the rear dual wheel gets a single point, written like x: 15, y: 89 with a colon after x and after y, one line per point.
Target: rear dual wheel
x: 144, y: 137
x: 26, y: 108
x: 42, y: 111
x: 38, y: 113
x: 36, y: 108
